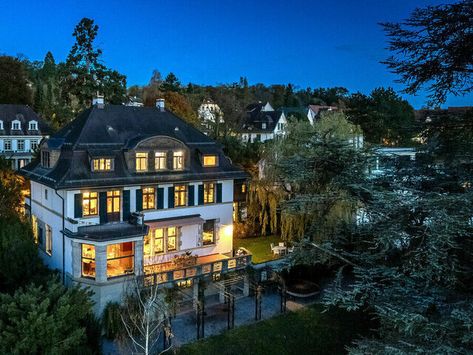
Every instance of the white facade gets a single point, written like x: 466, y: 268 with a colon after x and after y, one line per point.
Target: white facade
x: 63, y: 252
x: 278, y: 131
x: 19, y: 148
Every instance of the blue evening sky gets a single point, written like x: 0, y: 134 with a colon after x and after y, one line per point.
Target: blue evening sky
x: 317, y: 43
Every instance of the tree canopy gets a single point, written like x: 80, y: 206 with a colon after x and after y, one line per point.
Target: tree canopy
x: 14, y: 88
x: 432, y: 49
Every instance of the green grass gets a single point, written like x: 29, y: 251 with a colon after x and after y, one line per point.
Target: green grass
x: 259, y: 247
x: 307, y: 331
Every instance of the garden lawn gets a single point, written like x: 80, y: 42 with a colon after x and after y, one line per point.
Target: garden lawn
x: 259, y: 247
x: 307, y: 331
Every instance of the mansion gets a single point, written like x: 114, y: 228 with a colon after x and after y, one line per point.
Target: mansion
x: 126, y: 191
x: 21, y: 131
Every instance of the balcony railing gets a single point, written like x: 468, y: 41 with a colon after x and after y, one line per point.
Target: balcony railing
x: 168, y: 273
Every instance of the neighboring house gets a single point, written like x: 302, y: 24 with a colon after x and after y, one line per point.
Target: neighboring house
x: 21, y: 131
x: 134, y: 102
x: 126, y: 191
x: 262, y: 123
x: 314, y: 111
x: 209, y: 114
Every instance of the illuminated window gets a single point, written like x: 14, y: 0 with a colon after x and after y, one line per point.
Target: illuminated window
x: 243, y: 188
x: 141, y: 161
x: 178, y: 160
x: 113, y: 205
x: 208, y: 232
x: 172, y: 239
x: 209, y: 192
x: 120, y: 259
x: 48, y: 247
x: 88, y: 260
x: 102, y: 164
x: 210, y: 160
x: 154, y: 242
x: 180, y: 195
x: 148, y: 198
x: 34, y: 227
x: 89, y: 204
x: 160, y: 160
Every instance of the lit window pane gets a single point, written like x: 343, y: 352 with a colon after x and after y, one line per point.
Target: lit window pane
x: 210, y: 160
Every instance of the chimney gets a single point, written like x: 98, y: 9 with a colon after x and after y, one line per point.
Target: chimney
x: 98, y: 101
x: 160, y: 104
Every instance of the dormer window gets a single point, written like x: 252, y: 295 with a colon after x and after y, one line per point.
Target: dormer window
x: 102, y: 164
x: 16, y: 125
x: 45, y: 159
x: 209, y: 160
x: 263, y: 125
x: 160, y: 160
x: 141, y: 162
x: 1, y: 125
x: 178, y: 160
x: 33, y: 126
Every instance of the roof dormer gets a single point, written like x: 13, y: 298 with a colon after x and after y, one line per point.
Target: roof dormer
x: 1, y: 125
x: 16, y: 125
x: 33, y: 125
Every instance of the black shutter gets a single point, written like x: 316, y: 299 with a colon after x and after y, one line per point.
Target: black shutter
x: 78, y: 206
x: 171, y: 197
x: 190, y: 197
x: 201, y: 195
x: 126, y: 205
x: 219, y: 193
x: 160, y: 198
x: 139, y: 200
x: 103, y: 207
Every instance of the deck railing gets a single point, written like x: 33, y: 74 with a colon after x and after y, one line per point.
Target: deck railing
x: 183, y: 273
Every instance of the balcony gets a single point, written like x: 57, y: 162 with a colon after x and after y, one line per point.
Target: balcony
x: 180, y: 268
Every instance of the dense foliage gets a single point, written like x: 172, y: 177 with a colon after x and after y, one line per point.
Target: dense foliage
x: 432, y: 49
x: 14, y: 87
x: 48, y: 319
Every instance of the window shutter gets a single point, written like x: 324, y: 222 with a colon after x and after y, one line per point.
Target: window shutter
x: 190, y: 197
x: 139, y: 200
x: 201, y: 194
x: 103, y: 207
x: 160, y: 198
x: 78, y: 206
x: 219, y: 193
x: 126, y: 205
x: 171, y: 197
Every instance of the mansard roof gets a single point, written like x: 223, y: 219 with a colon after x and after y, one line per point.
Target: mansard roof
x: 24, y: 114
x: 112, y: 130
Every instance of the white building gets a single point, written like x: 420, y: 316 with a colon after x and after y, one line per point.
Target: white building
x: 21, y: 131
x: 133, y: 191
x: 210, y: 114
x: 262, y: 123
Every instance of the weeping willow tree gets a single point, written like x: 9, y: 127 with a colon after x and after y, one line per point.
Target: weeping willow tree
x: 307, y: 190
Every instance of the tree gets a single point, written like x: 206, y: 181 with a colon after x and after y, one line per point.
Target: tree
x: 47, y: 319
x: 308, y: 176
x: 384, y: 116
x: 171, y: 83
x: 85, y: 75
x: 145, y: 315
x: 433, y: 48
x: 178, y: 104
x: 14, y: 86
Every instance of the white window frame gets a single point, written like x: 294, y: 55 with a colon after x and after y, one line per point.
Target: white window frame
x: 1, y: 125
x: 33, y: 125
x: 14, y: 123
x: 48, y: 240
x: 5, y: 145
x: 22, y: 149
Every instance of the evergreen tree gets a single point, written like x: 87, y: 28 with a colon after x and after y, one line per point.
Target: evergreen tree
x: 14, y: 88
